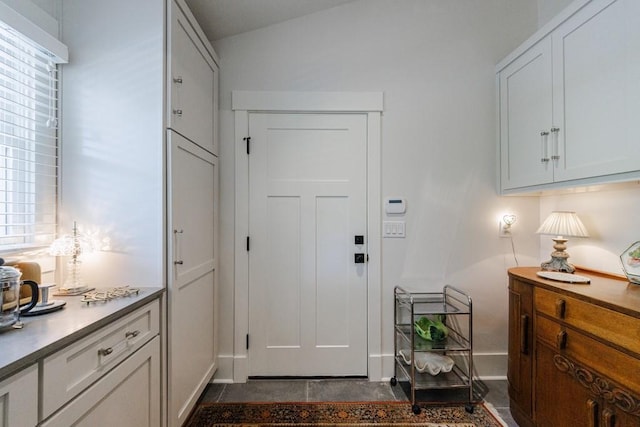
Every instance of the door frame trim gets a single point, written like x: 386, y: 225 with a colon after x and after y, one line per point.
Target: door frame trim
x: 370, y: 103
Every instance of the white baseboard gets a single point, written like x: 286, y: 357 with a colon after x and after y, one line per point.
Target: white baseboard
x: 487, y: 366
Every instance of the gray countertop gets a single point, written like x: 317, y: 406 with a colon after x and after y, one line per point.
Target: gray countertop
x: 45, y: 334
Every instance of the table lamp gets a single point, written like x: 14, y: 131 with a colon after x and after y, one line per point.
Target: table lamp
x: 72, y: 246
x: 561, y: 224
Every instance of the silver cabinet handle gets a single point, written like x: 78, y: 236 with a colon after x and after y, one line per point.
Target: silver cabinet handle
x: 105, y: 351
x: 178, y: 80
x: 178, y: 231
x: 554, y: 132
x: 544, y: 146
x: 177, y: 112
x: 180, y: 262
x: 133, y: 334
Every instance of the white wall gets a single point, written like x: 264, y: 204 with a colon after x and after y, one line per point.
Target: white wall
x: 610, y: 214
x: 434, y: 61
x: 547, y: 9
x: 112, y: 141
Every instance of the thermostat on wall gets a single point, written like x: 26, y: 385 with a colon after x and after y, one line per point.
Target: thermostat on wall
x: 395, y: 206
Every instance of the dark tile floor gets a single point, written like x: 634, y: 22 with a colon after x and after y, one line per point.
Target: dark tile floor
x: 336, y: 390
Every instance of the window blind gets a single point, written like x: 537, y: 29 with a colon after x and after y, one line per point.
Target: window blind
x: 28, y: 143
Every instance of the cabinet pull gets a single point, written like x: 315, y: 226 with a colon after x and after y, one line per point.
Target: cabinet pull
x: 592, y: 408
x: 177, y: 112
x: 555, y: 132
x: 178, y: 80
x: 560, y: 308
x: 608, y: 418
x: 561, y: 340
x: 105, y: 351
x: 176, y: 232
x: 524, y: 334
x: 133, y: 334
x: 544, y: 146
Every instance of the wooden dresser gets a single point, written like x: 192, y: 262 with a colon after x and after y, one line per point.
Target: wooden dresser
x: 574, y: 351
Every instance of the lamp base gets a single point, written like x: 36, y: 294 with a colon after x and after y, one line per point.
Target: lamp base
x: 73, y: 291
x: 558, y: 264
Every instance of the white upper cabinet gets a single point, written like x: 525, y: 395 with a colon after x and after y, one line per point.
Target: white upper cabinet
x: 597, y: 90
x: 526, y: 118
x: 193, y: 77
x: 569, y: 103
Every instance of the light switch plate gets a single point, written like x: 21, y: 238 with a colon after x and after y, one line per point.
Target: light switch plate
x: 393, y: 229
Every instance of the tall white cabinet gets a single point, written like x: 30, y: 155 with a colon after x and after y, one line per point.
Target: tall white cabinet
x: 570, y: 98
x: 139, y: 164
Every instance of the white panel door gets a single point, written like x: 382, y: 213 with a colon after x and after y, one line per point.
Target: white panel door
x: 192, y: 286
x: 525, y: 113
x: 597, y: 90
x: 193, y: 81
x: 307, y: 295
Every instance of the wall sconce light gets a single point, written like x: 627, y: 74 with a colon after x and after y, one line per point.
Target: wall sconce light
x: 561, y: 225
x: 505, y: 225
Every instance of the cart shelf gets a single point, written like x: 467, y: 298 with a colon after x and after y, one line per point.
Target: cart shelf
x: 454, y: 308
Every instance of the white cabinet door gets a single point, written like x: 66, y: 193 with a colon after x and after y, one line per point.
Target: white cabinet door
x: 193, y: 80
x: 192, y: 285
x: 128, y: 396
x: 597, y: 90
x: 19, y: 399
x: 525, y: 112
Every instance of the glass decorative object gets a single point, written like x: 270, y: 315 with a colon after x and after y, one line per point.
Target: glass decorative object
x: 630, y: 259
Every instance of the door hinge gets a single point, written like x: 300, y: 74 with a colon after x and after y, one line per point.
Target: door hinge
x: 248, y: 244
x: 247, y: 341
x: 248, y: 141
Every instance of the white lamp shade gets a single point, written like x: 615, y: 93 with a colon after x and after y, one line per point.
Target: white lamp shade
x: 560, y: 223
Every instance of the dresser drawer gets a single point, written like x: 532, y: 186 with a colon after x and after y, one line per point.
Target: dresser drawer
x: 592, y: 354
x: 609, y: 325
x: 66, y: 373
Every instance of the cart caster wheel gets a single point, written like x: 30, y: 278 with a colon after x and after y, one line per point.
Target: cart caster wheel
x: 394, y: 381
x: 415, y: 409
x: 469, y: 408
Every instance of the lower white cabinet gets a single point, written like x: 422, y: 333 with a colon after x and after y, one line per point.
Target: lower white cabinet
x: 19, y: 399
x: 128, y: 396
x: 111, y: 377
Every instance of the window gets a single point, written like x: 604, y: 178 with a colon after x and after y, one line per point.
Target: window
x: 28, y: 143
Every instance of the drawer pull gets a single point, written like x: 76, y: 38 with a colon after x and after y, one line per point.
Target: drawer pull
x: 608, y: 418
x: 561, y: 340
x: 105, y: 351
x: 177, y: 112
x: 592, y: 407
x: 560, y: 308
x: 132, y: 334
x: 177, y: 80
x: 524, y: 334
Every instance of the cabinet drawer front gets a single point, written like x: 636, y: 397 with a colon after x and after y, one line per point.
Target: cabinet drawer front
x: 609, y: 325
x: 111, y: 402
x: 66, y: 373
x: 600, y: 358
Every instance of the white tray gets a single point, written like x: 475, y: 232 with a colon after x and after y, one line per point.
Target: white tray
x: 563, y: 277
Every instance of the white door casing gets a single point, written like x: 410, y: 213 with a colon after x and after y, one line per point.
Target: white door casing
x: 368, y: 103
x: 307, y: 202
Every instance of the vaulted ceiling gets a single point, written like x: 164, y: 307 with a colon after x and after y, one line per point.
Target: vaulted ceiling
x: 224, y: 18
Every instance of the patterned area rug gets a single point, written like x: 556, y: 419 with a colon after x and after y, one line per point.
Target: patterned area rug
x: 338, y: 414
